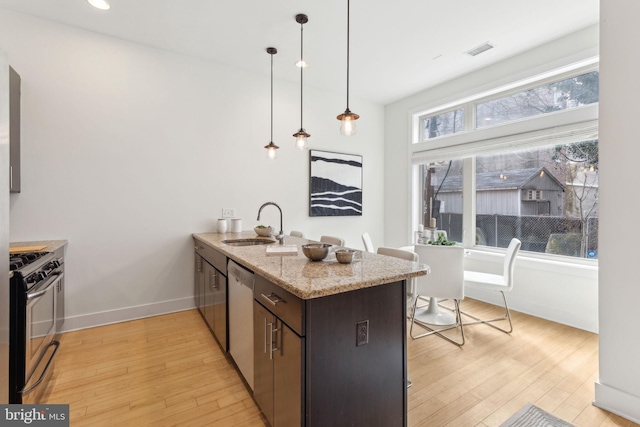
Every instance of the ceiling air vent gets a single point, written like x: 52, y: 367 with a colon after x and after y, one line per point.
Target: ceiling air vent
x: 478, y: 50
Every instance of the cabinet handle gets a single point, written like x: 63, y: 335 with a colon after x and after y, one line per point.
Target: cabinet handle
x: 11, y: 177
x: 272, y: 298
x: 198, y: 264
x: 271, y: 347
x: 212, y: 281
x: 270, y: 341
x: 265, y: 335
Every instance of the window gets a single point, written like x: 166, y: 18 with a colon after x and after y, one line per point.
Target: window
x: 547, y: 197
x: 441, y: 196
x: 532, y: 180
x: 557, y: 96
x: 442, y: 124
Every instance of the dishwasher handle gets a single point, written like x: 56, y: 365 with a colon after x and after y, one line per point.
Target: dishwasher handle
x: 241, y: 274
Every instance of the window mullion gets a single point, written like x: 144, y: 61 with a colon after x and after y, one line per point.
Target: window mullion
x: 469, y: 116
x: 469, y: 202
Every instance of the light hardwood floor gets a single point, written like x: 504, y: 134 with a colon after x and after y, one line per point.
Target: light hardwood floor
x: 169, y: 371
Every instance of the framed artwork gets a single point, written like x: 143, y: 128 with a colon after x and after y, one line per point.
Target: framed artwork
x: 335, y: 184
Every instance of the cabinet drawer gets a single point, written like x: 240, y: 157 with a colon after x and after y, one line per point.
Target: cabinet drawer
x: 288, y: 307
x: 213, y: 257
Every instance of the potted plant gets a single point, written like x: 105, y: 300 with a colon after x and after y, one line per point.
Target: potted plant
x: 441, y: 241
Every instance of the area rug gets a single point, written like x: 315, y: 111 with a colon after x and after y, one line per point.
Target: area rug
x: 532, y: 416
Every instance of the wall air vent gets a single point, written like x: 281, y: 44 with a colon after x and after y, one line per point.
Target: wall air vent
x: 478, y: 50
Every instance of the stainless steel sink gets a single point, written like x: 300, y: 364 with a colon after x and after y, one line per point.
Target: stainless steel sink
x: 248, y: 242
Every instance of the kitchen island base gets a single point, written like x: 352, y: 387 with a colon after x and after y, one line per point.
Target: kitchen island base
x: 340, y: 360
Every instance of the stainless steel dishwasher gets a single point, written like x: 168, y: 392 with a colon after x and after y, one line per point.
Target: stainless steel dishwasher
x: 241, y: 319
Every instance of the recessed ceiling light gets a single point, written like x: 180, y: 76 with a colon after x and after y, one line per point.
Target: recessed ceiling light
x: 99, y: 4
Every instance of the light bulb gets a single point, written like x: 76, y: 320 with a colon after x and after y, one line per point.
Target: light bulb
x: 302, y: 64
x: 301, y: 142
x: 347, y: 126
x: 272, y: 154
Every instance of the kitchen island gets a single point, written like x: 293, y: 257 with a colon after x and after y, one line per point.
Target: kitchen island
x: 329, y: 338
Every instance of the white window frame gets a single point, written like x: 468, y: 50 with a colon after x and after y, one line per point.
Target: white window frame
x: 560, y: 127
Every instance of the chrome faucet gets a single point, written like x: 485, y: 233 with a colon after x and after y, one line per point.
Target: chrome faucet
x: 280, y: 235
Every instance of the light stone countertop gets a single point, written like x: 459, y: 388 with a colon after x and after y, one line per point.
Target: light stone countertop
x: 308, y: 279
x: 50, y: 245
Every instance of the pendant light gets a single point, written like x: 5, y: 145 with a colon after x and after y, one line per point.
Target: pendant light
x: 301, y: 136
x: 271, y: 147
x: 348, y: 119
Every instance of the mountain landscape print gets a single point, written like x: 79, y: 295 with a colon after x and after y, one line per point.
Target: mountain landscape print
x: 335, y: 184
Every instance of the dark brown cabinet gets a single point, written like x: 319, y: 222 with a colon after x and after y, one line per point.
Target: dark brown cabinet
x: 210, y: 291
x: 215, y: 303
x: 277, y: 369
x: 314, y: 365
x: 14, y: 131
x: 198, y: 284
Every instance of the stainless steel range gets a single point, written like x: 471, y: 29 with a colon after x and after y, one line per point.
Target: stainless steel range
x: 37, y: 278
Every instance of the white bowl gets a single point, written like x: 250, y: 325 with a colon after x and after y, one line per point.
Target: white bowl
x: 263, y: 231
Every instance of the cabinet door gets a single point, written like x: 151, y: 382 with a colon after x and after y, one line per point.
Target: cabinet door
x: 263, y: 326
x: 209, y: 277
x: 287, y: 378
x: 198, y: 283
x: 220, y: 309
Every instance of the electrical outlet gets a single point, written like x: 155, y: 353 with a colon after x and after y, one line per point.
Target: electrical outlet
x: 362, y: 333
x: 228, y: 213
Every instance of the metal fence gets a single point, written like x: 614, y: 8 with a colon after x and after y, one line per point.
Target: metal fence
x: 545, y: 234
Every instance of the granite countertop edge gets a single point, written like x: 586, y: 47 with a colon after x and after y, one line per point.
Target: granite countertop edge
x: 307, y: 279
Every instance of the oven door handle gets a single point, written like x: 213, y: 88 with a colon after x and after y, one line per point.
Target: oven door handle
x: 55, y: 278
x: 44, y: 372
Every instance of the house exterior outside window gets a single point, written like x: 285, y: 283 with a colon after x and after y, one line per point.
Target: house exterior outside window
x: 530, y: 155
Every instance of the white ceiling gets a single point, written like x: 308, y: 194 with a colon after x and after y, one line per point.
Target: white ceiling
x: 397, y: 47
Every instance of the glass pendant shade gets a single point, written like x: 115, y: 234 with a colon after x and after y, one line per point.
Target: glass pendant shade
x: 348, y: 123
x: 301, y: 139
x: 272, y: 152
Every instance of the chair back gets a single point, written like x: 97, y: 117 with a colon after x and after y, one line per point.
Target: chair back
x: 368, y: 244
x: 446, y: 277
x: 398, y: 253
x: 332, y: 240
x: 296, y: 234
x: 510, y: 262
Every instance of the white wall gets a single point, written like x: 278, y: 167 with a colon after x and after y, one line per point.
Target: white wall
x: 618, y: 388
x: 556, y: 291
x: 127, y: 150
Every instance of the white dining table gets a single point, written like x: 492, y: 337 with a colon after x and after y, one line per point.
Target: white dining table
x: 432, y: 315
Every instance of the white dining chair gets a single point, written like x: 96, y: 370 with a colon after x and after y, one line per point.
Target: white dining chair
x: 296, y: 234
x: 495, y: 282
x: 368, y: 244
x: 409, y: 255
x: 332, y: 240
x: 445, y: 280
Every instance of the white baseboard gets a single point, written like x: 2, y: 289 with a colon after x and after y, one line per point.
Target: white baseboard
x: 92, y: 320
x: 618, y: 402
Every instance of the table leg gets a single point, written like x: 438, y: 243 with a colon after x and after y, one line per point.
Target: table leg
x: 433, y: 316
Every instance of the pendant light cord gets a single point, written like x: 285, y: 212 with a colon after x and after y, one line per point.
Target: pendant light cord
x: 301, y: 72
x: 348, y: 20
x: 272, y: 97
